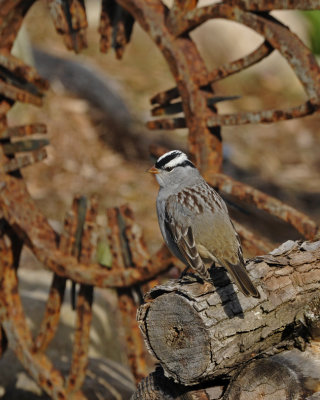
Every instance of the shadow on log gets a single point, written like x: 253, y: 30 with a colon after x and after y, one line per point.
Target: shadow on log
x: 214, y: 338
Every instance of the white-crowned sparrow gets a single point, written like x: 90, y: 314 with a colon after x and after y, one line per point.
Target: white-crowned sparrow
x: 195, y: 223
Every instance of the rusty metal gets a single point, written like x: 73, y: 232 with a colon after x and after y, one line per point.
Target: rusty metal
x: 183, y: 5
x: 267, y: 5
x: 79, y: 209
x: 176, y: 108
x: 135, y: 348
x: 133, y: 236
x: 41, y: 238
x: 24, y: 146
x: 261, y: 52
x: 84, y: 247
x: 303, y: 224
x: 22, y: 71
x: 180, y: 6
x: 17, y: 331
x: 11, y: 159
x: 20, y: 82
x: 81, y: 340
x: 115, y: 27
x: 279, y: 37
x: 187, y: 67
x: 165, y: 97
x: 71, y: 254
x: 167, y: 123
x: 13, y: 92
x: 219, y: 73
x: 105, y: 27
x: 31, y: 353
x: 70, y: 20
x: 23, y: 130
x: 11, y: 18
x: 23, y: 161
x: 267, y: 116
x: 127, y: 245
x: 51, y: 318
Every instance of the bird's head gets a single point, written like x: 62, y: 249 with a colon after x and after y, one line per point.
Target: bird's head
x: 173, y: 168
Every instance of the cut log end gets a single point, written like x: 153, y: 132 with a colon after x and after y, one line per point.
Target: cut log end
x: 179, y: 340
x: 195, y: 338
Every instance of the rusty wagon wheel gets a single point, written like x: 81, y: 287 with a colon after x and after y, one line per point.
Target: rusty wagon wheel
x: 24, y: 224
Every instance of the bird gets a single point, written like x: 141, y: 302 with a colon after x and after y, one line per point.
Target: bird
x: 195, y: 223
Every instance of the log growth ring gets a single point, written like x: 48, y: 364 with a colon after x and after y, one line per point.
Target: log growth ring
x: 180, y: 339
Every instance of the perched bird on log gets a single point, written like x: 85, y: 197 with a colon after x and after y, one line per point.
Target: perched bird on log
x: 195, y: 223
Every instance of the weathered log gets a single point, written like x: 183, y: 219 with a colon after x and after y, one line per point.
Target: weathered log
x: 290, y: 375
x: 156, y: 386
x: 199, y: 332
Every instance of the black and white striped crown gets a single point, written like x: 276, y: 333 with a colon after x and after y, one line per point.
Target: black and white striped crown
x: 173, y: 159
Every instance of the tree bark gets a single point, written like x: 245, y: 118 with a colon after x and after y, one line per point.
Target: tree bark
x: 200, y: 332
x: 292, y: 375
x: 156, y: 386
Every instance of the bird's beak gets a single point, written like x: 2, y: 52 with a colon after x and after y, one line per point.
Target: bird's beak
x: 153, y: 170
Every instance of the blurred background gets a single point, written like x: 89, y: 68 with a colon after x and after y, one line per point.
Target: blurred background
x: 88, y: 155
x: 100, y: 146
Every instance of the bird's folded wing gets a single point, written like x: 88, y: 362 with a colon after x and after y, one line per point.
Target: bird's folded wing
x: 183, y: 237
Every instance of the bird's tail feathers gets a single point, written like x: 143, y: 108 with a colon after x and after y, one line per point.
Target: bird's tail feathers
x: 242, y: 279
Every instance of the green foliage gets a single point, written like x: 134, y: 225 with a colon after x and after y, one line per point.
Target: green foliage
x: 313, y: 18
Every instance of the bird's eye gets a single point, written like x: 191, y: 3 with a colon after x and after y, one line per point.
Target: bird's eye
x: 169, y: 169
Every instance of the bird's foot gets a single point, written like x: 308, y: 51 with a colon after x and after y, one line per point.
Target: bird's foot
x: 183, y: 273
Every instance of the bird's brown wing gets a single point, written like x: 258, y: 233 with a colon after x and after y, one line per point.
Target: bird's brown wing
x: 239, y: 273
x: 226, y: 249
x: 180, y: 230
